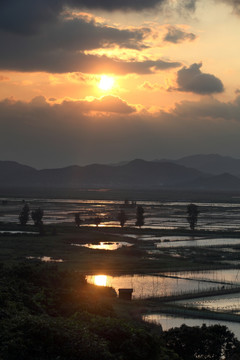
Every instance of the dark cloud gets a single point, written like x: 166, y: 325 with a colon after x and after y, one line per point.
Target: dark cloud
x: 193, y: 80
x: 60, y: 47
x: 209, y: 109
x: 190, y: 4
x: 61, y: 62
x: 74, y: 35
x: 27, y: 16
x: 52, y: 135
x: 116, y: 5
x: 176, y: 35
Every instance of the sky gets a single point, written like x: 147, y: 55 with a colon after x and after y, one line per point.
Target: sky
x: 87, y: 81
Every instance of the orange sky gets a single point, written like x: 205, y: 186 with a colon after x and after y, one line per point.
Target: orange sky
x: 175, y: 72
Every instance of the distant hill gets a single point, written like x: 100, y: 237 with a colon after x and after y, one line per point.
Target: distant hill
x: 212, y: 163
x: 135, y: 174
x: 217, y: 182
x: 12, y: 173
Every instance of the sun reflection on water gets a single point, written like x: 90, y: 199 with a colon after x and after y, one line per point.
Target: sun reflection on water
x: 100, y: 280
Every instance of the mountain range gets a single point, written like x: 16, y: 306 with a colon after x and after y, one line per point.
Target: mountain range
x: 212, y: 164
x: 198, y: 172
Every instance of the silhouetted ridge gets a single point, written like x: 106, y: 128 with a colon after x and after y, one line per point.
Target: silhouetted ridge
x: 137, y: 173
x: 11, y: 173
x: 223, y: 181
x: 212, y: 163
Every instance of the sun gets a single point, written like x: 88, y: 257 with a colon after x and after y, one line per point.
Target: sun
x: 106, y: 82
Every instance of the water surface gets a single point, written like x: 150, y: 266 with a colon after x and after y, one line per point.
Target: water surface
x: 168, y: 322
x: 104, y: 245
x: 145, y: 286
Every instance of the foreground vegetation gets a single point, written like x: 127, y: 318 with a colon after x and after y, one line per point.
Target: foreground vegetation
x: 47, y: 313
x: 51, y: 312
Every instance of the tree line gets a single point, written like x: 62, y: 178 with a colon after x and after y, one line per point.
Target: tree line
x: 37, y: 216
x: 192, y: 217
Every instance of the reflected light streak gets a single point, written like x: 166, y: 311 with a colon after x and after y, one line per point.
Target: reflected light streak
x: 100, y: 280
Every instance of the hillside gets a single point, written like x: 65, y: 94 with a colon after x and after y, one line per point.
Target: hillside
x: 135, y: 174
x: 218, y: 182
x: 212, y: 163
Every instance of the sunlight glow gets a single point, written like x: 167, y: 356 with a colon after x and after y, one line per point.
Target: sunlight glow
x: 100, y: 280
x: 106, y: 82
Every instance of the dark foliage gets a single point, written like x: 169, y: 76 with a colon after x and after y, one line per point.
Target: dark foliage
x: 24, y: 215
x: 37, y: 216
x: 192, y: 215
x: 205, y: 343
x: 97, y: 220
x: 39, y: 337
x: 122, y: 218
x: 77, y: 219
x: 140, y: 216
x: 47, y: 314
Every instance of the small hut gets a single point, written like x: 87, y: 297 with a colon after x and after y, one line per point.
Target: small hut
x: 125, y: 294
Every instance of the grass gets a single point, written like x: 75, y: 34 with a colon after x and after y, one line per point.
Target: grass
x: 126, y: 260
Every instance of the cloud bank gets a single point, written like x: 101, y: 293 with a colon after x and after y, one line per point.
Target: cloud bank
x: 193, y: 80
x: 27, y: 16
x: 60, y: 47
x: 81, y: 132
x: 177, y: 35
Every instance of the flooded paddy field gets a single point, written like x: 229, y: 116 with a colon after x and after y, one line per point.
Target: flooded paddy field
x: 167, y: 242
x: 105, y: 245
x: 228, y: 276
x: 146, y: 286
x: 154, y: 257
x: 229, y: 303
x: 159, y: 215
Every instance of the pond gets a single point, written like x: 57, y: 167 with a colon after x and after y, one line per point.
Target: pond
x: 196, y: 242
x: 17, y: 232
x: 223, y: 275
x: 45, y: 259
x: 104, y: 245
x: 145, y: 286
x: 171, y: 238
x: 167, y: 322
x: 222, y: 303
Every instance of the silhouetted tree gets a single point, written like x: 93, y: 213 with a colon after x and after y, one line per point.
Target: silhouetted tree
x: 37, y: 216
x: 192, y: 215
x: 213, y: 342
x: 77, y: 219
x: 140, y: 216
x: 24, y: 214
x: 122, y: 218
x: 97, y: 220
